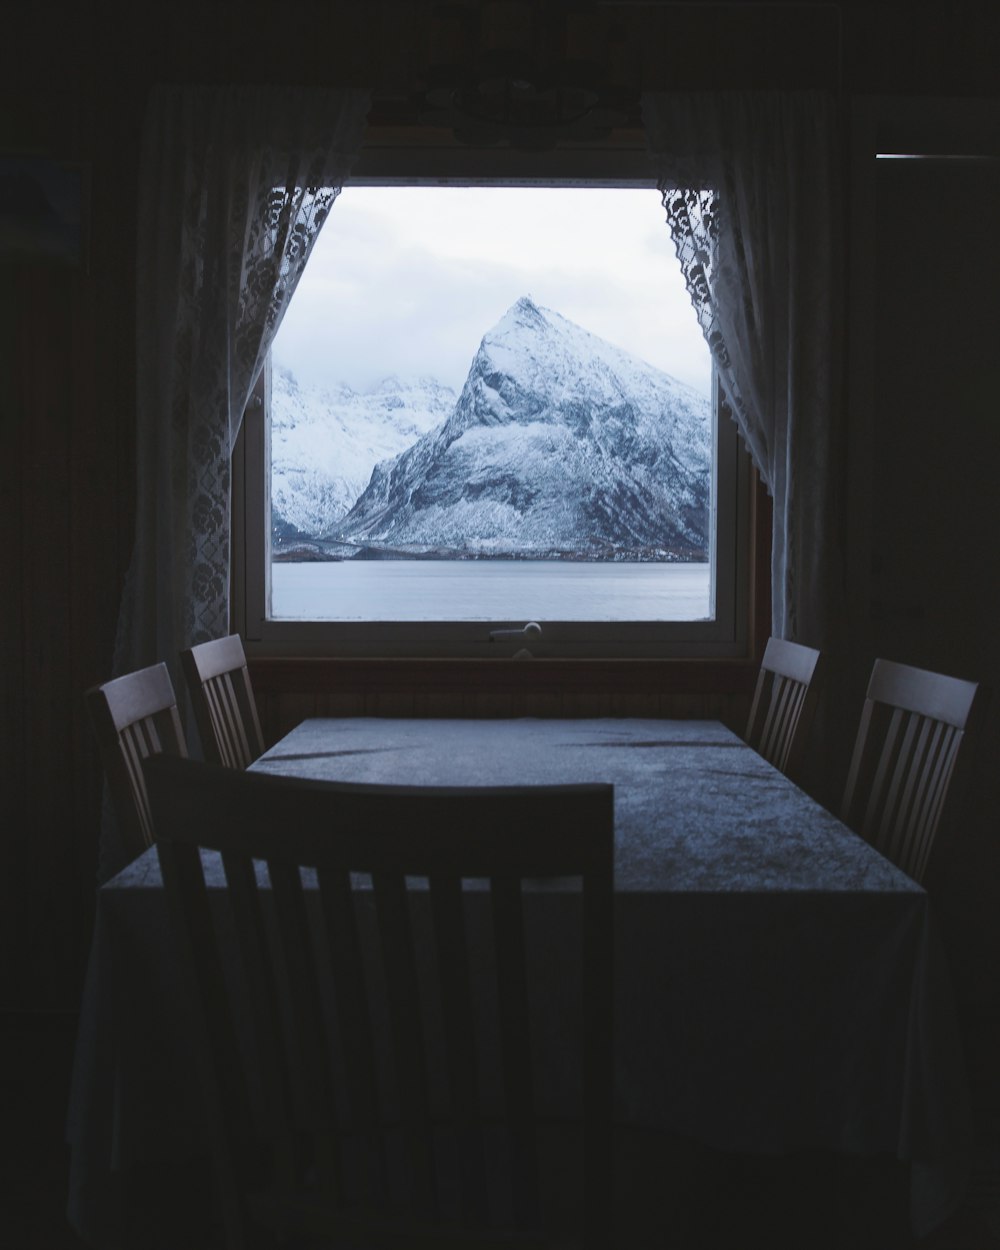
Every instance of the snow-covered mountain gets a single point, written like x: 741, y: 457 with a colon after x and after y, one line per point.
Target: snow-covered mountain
x: 325, y: 442
x: 559, y: 442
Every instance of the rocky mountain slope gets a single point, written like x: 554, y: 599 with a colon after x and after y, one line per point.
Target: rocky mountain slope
x: 560, y: 443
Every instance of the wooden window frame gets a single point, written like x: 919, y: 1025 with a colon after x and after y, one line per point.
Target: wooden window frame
x: 308, y: 671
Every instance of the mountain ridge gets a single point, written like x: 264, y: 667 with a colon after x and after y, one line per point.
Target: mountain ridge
x: 559, y: 442
x: 325, y: 440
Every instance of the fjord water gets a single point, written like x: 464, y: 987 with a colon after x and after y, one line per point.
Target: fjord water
x: 489, y: 590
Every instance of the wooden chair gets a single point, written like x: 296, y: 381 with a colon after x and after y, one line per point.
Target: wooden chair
x: 222, y: 698
x: 134, y: 716
x: 912, y: 731
x: 784, y: 703
x: 375, y: 946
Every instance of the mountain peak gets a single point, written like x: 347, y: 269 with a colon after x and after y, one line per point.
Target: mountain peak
x: 525, y: 312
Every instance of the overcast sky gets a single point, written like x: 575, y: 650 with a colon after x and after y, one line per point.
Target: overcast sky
x: 407, y: 280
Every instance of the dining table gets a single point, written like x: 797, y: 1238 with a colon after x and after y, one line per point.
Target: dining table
x: 779, y: 985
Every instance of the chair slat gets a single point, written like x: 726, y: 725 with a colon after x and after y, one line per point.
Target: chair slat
x: 262, y: 986
x: 233, y: 741
x: 915, y: 782
x: 459, y: 1015
x: 406, y: 1023
x: 218, y: 682
x: 939, y: 780
x: 771, y: 740
x: 900, y: 763
x: 598, y: 1030
x: 222, y: 1082
x: 784, y: 703
x: 928, y: 793
x: 790, y: 702
x: 355, y: 1028
x: 135, y: 748
x: 134, y: 717
x: 512, y: 997
x: 302, y: 983
x: 884, y: 767
x: 905, y: 758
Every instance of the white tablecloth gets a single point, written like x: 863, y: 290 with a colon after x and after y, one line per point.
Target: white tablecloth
x: 779, y: 985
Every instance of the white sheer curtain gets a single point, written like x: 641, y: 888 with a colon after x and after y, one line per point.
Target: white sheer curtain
x: 234, y: 185
x: 752, y: 186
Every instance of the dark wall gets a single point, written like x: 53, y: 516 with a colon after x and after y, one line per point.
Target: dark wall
x: 933, y: 586
x: 76, y: 91
x: 66, y: 490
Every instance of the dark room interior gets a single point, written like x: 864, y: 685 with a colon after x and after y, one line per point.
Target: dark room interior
x: 919, y: 421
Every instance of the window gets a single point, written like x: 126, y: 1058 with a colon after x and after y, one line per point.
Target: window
x: 488, y: 405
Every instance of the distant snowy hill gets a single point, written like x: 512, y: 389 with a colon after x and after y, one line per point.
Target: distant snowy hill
x: 560, y: 442
x: 325, y: 442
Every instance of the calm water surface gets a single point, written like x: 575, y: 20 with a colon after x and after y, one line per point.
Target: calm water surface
x: 489, y: 590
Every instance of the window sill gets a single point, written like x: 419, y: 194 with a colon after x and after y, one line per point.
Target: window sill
x: 289, y: 689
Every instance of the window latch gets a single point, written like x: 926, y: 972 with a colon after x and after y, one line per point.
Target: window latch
x: 531, y: 630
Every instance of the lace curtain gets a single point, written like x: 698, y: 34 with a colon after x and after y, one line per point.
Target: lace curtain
x: 234, y: 185
x: 752, y: 188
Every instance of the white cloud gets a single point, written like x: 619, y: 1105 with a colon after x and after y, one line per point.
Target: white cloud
x: 408, y: 279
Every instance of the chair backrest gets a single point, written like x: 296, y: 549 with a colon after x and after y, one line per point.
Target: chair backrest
x: 784, y: 703
x: 133, y: 717
x: 412, y: 952
x: 222, y: 698
x: 912, y: 731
